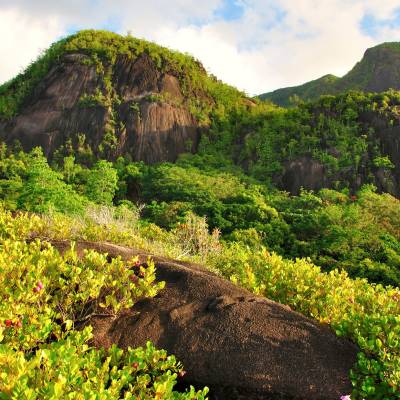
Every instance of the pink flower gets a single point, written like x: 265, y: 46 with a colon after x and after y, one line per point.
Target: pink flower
x: 38, y: 287
x: 346, y: 397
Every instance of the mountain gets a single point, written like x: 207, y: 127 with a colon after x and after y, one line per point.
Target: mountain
x: 101, y: 252
x: 100, y: 94
x: 379, y: 70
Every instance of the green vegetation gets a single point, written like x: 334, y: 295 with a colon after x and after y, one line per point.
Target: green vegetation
x: 341, y: 133
x: 332, y: 254
x: 369, y: 314
x: 46, y: 297
x: 103, y: 49
x: 311, y: 90
x: 343, y: 234
x: 358, y: 233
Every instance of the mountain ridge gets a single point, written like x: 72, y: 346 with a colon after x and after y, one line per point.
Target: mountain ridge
x: 377, y: 71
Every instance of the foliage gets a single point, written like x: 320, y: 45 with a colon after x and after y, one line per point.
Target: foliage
x: 369, y: 314
x: 294, y: 95
x: 101, y: 183
x: 45, y: 296
x: 330, y: 254
x: 70, y: 368
x: 102, y: 50
x: 383, y: 162
x: 358, y: 233
x: 338, y: 133
x: 193, y: 234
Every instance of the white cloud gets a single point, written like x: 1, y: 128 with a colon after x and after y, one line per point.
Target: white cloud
x: 24, y: 38
x: 276, y: 43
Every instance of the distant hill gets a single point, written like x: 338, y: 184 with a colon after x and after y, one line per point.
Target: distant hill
x: 379, y: 70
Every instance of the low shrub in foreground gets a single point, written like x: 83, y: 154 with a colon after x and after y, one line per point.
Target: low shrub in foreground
x: 45, y: 296
x: 367, y: 313
x: 70, y: 369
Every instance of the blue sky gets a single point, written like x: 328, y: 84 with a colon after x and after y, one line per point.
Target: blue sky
x: 372, y: 25
x: 230, y: 10
x: 256, y: 45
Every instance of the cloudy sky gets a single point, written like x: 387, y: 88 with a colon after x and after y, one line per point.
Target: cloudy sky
x: 256, y: 45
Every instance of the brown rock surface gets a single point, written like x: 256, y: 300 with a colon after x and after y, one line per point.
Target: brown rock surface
x: 149, y: 129
x: 240, y: 345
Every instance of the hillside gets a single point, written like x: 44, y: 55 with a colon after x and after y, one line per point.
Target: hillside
x: 378, y: 71
x: 96, y: 94
x: 100, y: 94
x: 145, y: 205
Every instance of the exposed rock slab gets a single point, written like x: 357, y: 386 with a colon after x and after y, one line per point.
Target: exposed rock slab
x: 151, y: 121
x: 240, y: 345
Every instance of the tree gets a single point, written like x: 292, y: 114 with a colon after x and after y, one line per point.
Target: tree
x: 45, y: 191
x: 101, y: 183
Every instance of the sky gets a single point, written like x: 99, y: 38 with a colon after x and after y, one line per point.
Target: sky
x: 255, y: 45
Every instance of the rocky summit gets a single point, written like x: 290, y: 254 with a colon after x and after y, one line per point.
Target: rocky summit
x: 149, y: 130
x: 102, y: 94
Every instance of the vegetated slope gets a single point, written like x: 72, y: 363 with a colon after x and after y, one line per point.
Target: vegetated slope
x: 379, y: 70
x: 96, y: 95
x: 308, y: 91
x: 99, y: 94
x: 342, y: 141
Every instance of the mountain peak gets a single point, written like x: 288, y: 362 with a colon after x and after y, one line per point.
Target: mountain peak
x: 107, y: 95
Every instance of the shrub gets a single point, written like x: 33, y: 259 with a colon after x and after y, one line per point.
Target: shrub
x: 45, y: 296
x: 368, y: 314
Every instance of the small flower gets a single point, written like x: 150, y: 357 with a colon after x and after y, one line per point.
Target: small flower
x: 134, y: 278
x: 8, y: 323
x: 346, y: 397
x: 18, y: 324
x: 39, y: 286
x: 181, y: 374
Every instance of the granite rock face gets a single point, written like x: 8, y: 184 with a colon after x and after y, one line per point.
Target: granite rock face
x: 150, y: 121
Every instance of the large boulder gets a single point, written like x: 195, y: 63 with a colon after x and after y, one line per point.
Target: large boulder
x: 240, y: 345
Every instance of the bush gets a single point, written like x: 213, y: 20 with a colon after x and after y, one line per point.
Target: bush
x: 368, y: 314
x: 70, y: 368
x: 45, y: 296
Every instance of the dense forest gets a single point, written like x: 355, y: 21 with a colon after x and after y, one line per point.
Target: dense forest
x: 244, y: 203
